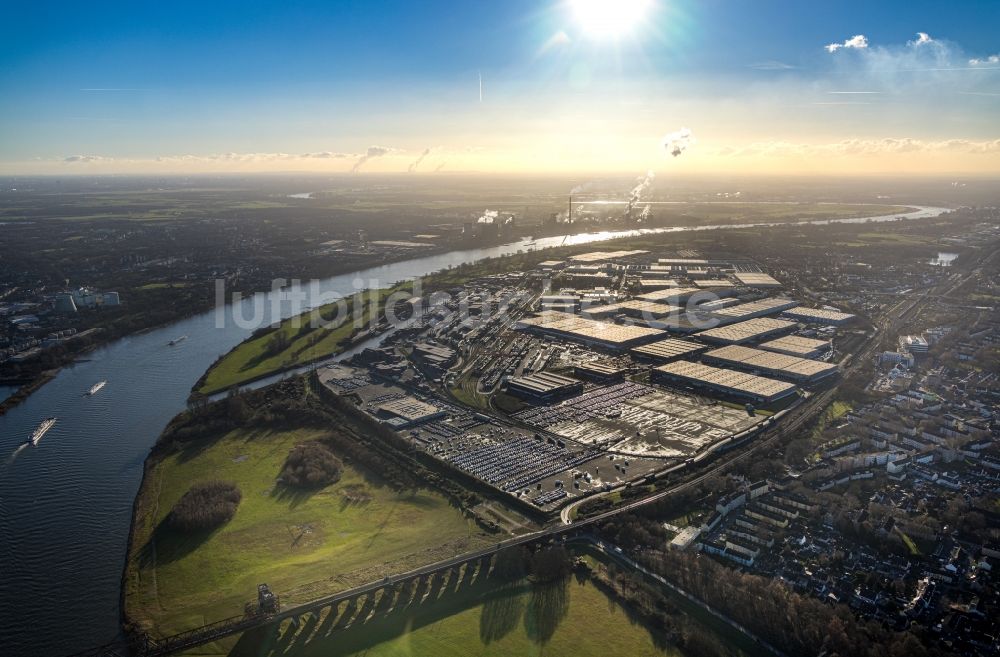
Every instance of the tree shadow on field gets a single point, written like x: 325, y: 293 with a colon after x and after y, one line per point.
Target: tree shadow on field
x: 167, y: 544
x: 501, y: 614
x: 547, y: 607
x: 294, y: 496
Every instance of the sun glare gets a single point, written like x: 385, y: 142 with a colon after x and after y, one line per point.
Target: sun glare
x: 609, y: 19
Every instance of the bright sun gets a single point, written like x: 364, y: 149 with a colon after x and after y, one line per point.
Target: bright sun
x: 608, y: 19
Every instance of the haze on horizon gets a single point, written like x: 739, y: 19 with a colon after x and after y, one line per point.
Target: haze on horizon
x: 574, y: 86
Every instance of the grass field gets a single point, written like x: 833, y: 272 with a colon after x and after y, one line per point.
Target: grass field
x: 253, y: 358
x: 577, y: 620
x: 303, y: 545
x: 836, y: 410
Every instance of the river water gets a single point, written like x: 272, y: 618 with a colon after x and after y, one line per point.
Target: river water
x: 65, y: 505
x: 7, y: 391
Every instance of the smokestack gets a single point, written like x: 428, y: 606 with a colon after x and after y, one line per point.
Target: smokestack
x: 569, y: 217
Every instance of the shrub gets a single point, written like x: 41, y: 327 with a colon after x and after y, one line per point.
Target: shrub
x: 311, y: 465
x: 206, y: 505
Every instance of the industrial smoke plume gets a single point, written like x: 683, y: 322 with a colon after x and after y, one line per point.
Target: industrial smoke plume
x: 489, y: 217
x: 679, y: 141
x: 641, y: 188
x: 372, y: 152
x: 416, y: 163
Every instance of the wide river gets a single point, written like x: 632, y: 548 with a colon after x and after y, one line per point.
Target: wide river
x: 65, y: 505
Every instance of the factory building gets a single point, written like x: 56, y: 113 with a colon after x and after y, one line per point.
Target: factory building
x: 639, y: 308
x: 726, y: 382
x: 544, y: 386
x: 695, y: 266
x: 606, y: 256
x: 752, y: 309
x: 685, y: 324
x: 600, y: 371
x: 796, y: 345
x: 566, y: 303
x: 407, y: 412
x: 713, y: 282
x: 717, y: 304
x: 588, y: 331
x: 757, y: 280
x: 781, y: 366
x: 434, y: 358
x: 665, y: 351
x: 677, y: 295
x: 655, y: 272
x: 752, y: 329
x: 819, y: 316
x: 650, y: 284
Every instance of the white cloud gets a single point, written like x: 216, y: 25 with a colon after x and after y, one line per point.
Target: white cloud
x: 980, y: 61
x: 86, y: 158
x: 923, y: 65
x: 212, y: 158
x: 327, y: 155
x: 853, y: 147
x: 858, y: 41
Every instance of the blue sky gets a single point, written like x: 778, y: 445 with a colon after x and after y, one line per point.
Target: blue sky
x: 115, y: 86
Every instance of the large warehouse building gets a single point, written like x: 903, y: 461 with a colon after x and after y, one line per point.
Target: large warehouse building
x: 796, y: 345
x: 648, y: 284
x: 727, y: 382
x: 757, y: 280
x: 634, y: 308
x: 407, y: 412
x: 671, y: 295
x: 782, y: 366
x: 753, y: 309
x: 819, y: 316
x: 588, y: 331
x: 752, y: 329
x: 544, y: 386
x: 668, y: 350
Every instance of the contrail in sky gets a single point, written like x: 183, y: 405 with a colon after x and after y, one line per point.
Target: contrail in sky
x: 480, y: 86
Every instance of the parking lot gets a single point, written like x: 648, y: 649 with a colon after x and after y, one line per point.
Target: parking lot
x: 642, y: 420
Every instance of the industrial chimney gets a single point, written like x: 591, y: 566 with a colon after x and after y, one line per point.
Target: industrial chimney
x: 569, y: 217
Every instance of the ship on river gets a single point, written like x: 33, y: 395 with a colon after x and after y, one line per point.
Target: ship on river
x: 41, y: 430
